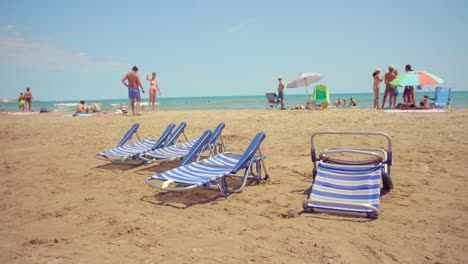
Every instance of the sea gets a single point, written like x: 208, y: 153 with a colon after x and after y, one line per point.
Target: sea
x: 459, y: 99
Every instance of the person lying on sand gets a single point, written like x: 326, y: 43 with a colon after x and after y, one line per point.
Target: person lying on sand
x: 297, y: 107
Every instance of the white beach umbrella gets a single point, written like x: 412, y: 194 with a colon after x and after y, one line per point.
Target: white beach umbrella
x: 305, y: 79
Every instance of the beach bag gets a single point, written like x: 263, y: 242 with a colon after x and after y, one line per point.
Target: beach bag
x: 44, y: 110
x: 396, y: 92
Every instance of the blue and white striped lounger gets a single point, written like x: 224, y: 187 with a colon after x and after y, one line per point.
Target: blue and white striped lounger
x: 174, y: 152
x: 346, y: 189
x: 349, y: 180
x: 214, y: 170
x: 217, y: 144
x: 122, y: 153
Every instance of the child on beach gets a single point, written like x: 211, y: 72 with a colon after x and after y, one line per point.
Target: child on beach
x: 21, y: 102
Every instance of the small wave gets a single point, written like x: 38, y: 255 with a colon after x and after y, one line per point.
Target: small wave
x: 65, y: 104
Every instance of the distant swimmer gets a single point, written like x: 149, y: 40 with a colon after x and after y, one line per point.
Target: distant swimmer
x: 133, y: 84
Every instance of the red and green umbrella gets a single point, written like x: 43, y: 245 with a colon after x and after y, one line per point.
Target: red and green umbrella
x: 415, y: 78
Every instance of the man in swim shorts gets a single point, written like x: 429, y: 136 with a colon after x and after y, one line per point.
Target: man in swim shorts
x: 389, y: 89
x: 281, y: 91
x: 21, y: 102
x: 133, y: 84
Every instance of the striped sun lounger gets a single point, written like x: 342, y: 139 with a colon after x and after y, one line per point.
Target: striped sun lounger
x: 347, y: 186
x: 128, y: 153
x: 177, y: 152
x: 212, y: 172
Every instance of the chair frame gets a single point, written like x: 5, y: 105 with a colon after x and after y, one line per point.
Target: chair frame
x: 220, y: 183
x: 378, y: 157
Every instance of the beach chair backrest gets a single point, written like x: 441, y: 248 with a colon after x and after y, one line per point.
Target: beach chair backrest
x: 163, y: 137
x: 442, y: 96
x: 271, y: 97
x: 216, y: 133
x: 197, y: 148
x: 249, y: 152
x: 321, y: 94
x: 175, y: 135
x: 128, y: 135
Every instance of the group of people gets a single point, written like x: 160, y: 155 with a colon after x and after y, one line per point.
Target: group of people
x: 344, y: 103
x: 81, y: 108
x: 391, y: 90
x: 25, y: 100
x: 132, y: 81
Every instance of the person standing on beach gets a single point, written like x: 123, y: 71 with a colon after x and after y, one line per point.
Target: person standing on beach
x: 389, y: 88
x: 153, y: 89
x: 281, y: 91
x: 28, y: 97
x: 376, y: 87
x: 21, y: 102
x: 134, y: 82
x: 408, y: 93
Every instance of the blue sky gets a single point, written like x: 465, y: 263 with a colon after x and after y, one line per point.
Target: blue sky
x: 70, y: 50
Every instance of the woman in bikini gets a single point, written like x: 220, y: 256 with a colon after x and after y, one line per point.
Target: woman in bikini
x: 376, y: 87
x: 28, y: 98
x: 153, y: 89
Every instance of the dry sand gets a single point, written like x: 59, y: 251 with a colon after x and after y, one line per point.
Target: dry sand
x: 60, y: 205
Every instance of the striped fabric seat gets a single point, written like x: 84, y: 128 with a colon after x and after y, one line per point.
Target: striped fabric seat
x: 130, y: 150
x: 345, y: 188
x: 196, y: 173
x: 122, y: 152
x: 207, y: 172
x: 173, y: 152
x: 350, y: 180
x: 227, y: 159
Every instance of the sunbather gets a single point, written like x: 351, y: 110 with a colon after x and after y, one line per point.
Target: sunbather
x: 81, y: 108
x: 424, y: 101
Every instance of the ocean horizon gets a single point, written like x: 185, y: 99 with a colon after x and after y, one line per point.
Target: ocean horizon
x: 459, y: 99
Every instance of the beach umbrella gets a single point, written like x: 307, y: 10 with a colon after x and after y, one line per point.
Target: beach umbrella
x: 305, y: 79
x: 417, y: 78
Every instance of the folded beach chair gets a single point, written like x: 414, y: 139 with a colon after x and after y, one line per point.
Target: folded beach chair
x: 129, y: 153
x: 442, y: 97
x: 320, y: 96
x: 177, y: 152
x: 273, y: 100
x: 350, y: 180
x: 212, y: 173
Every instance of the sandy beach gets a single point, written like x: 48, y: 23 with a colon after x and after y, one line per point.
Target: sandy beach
x: 60, y: 205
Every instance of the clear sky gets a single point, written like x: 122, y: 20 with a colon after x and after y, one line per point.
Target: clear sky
x: 70, y: 50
